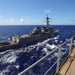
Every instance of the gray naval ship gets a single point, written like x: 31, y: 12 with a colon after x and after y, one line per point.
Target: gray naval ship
x: 36, y: 34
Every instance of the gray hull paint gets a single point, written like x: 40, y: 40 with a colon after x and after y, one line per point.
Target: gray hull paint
x: 24, y: 41
x: 32, y: 39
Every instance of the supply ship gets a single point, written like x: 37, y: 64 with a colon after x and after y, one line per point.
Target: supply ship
x: 36, y: 34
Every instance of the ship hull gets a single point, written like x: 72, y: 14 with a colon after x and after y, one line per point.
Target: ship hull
x: 28, y: 40
x: 24, y: 41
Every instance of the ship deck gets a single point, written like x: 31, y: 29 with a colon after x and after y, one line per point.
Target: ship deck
x: 69, y: 66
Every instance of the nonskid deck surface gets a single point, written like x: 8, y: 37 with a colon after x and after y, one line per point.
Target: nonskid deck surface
x: 69, y: 67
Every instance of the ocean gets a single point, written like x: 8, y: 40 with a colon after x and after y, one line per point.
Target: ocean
x: 16, y: 60
x: 6, y: 31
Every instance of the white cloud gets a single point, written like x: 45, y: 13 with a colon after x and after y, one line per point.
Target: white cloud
x: 22, y: 20
x: 26, y: 21
x: 11, y: 20
x: 47, y: 11
x: 1, y: 16
x: 36, y: 21
x: 1, y: 20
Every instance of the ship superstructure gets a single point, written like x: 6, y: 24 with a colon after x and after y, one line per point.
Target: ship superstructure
x: 36, y: 34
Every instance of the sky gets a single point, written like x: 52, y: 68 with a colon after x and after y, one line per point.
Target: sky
x: 33, y: 12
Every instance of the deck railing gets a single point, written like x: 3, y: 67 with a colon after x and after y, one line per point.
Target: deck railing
x: 58, y: 64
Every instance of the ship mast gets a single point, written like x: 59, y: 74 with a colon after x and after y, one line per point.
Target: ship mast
x: 47, y: 20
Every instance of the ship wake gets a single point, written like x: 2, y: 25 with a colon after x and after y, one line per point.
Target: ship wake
x: 16, y: 60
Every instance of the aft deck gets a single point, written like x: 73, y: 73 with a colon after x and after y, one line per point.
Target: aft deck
x: 69, y: 66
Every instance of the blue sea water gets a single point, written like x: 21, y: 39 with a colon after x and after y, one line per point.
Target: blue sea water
x: 65, y: 31
x: 29, y: 54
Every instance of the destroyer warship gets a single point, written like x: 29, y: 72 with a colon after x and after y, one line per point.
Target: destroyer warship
x: 36, y: 34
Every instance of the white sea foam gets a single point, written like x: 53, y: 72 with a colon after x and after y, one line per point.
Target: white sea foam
x: 61, y: 41
x: 56, y: 41
x: 45, y: 50
x: 56, y: 54
x: 57, y: 37
x: 17, y: 66
x: 9, y: 57
x: 51, y: 46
